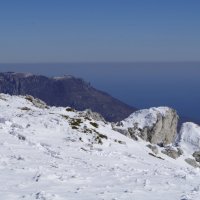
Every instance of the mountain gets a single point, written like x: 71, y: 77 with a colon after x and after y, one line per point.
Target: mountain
x: 57, y: 153
x: 65, y: 91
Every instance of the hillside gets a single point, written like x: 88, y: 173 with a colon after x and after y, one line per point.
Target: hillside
x: 57, y: 153
x: 65, y: 91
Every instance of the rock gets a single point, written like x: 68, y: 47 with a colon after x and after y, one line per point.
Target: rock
x: 129, y: 133
x: 2, y: 98
x: 92, y: 115
x: 122, y: 131
x: 155, y: 125
x: 172, y: 153
x: 36, y: 102
x: 196, y: 155
x: 132, y: 133
x: 153, y: 148
x: 180, y: 151
x: 192, y: 162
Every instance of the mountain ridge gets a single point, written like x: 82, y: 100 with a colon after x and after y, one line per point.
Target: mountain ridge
x: 65, y: 91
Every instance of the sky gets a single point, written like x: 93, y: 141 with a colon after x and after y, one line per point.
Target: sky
x: 53, y: 31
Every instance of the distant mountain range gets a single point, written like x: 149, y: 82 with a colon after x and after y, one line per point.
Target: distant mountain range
x: 65, y: 91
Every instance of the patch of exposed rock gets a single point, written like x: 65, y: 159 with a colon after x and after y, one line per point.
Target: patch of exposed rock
x: 196, y: 155
x: 172, y: 152
x: 155, y: 125
x: 92, y: 115
x: 153, y: 148
x: 127, y: 132
x: 192, y: 162
x: 36, y: 102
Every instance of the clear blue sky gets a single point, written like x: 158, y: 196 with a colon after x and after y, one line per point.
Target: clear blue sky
x: 99, y: 30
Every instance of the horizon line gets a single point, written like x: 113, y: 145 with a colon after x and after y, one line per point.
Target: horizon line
x: 99, y: 62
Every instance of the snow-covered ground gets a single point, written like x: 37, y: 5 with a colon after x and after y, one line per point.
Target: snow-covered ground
x: 190, y: 137
x: 145, y: 117
x: 55, y: 154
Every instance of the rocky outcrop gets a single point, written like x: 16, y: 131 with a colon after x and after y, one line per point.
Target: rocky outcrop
x: 92, y: 115
x: 36, y: 102
x: 65, y: 91
x: 172, y: 152
x: 155, y: 125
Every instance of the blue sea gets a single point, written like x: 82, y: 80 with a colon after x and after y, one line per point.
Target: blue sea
x: 142, y: 85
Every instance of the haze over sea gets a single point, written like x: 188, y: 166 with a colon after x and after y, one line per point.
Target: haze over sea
x: 142, y: 84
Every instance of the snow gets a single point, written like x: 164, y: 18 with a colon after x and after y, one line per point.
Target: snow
x: 23, y: 75
x: 145, y: 117
x: 190, y: 137
x: 42, y: 157
x: 63, y: 77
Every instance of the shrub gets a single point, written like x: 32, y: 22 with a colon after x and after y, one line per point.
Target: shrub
x: 87, y: 118
x: 102, y: 136
x: 76, y: 122
x: 25, y: 108
x: 74, y: 127
x: 94, y: 124
x: 70, y: 109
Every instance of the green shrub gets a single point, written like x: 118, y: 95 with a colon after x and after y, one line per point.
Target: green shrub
x: 94, y: 124
x: 87, y: 118
x: 74, y: 127
x: 70, y: 109
x: 25, y: 108
x: 103, y: 136
x: 76, y: 122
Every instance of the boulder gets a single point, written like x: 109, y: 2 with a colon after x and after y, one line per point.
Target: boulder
x: 92, y: 115
x: 155, y: 125
x: 171, y: 152
x: 127, y: 132
x: 154, y: 149
x: 192, y: 162
x: 196, y: 155
x: 36, y: 102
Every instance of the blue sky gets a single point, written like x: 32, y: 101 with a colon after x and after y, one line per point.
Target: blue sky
x: 99, y: 30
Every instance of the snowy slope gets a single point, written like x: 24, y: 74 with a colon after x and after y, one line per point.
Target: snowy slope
x: 55, y: 154
x: 190, y: 137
